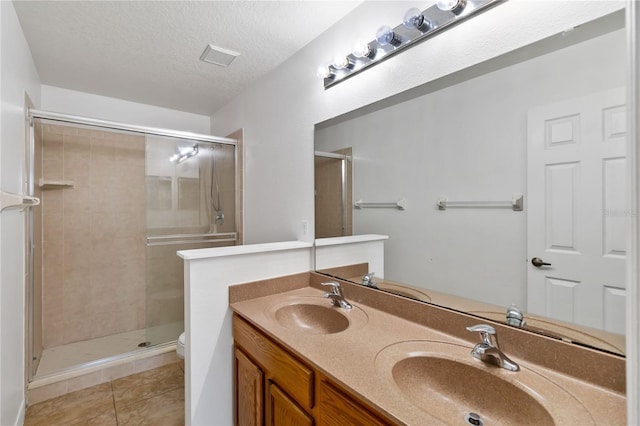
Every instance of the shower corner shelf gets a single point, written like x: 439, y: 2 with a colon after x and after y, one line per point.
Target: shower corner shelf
x: 8, y: 199
x: 56, y: 184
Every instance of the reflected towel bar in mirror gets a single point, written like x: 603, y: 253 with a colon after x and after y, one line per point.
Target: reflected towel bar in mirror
x: 516, y: 203
x: 401, y: 204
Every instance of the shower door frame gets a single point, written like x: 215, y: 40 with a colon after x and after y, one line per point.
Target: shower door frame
x: 33, y: 114
x: 343, y: 158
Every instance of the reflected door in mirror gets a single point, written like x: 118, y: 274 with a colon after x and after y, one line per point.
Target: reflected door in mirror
x: 577, y: 190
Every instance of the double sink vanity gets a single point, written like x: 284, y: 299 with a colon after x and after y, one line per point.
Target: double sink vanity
x: 302, y: 356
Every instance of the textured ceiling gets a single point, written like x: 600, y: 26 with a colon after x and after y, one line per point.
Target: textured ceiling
x: 148, y: 51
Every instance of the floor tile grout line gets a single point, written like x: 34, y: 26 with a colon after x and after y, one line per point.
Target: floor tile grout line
x: 137, y: 401
x: 113, y: 400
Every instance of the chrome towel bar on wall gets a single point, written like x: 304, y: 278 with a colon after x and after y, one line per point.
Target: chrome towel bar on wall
x: 516, y: 203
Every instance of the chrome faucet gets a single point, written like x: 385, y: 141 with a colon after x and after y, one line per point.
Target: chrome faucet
x: 335, y: 295
x: 488, y: 350
x: 515, y: 316
x: 367, y: 280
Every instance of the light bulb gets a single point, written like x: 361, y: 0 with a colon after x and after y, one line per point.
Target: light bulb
x: 385, y: 35
x: 341, y: 62
x: 325, y: 72
x: 363, y: 51
x: 184, y: 153
x: 454, y: 6
x: 414, y: 19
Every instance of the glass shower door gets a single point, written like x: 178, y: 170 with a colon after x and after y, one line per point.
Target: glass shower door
x: 190, y: 204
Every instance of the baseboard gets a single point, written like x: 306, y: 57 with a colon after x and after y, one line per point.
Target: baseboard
x: 20, y: 417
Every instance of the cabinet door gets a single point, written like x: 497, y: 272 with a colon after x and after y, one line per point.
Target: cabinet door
x: 282, y: 411
x: 278, y: 365
x: 335, y: 408
x: 249, y: 391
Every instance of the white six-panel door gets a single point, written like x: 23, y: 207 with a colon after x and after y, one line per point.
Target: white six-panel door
x: 576, y: 215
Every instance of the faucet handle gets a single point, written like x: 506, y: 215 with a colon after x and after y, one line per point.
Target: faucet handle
x: 482, y: 328
x: 485, y: 332
x: 367, y: 280
x: 334, y: 287
x: 515, y: 316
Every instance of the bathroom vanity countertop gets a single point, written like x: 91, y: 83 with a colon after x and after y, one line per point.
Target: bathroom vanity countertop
x: 350, y: 357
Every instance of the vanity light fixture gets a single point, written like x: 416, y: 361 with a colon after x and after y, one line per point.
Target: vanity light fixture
x: 414, y: 18
x: 341, y: 62
x: 326, y: 72
x: 385, y: 35
x: 455, y: 6
x: 364, y: 50
x: 416, y: 26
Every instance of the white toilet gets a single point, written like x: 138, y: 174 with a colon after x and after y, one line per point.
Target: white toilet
x: 180, y: 346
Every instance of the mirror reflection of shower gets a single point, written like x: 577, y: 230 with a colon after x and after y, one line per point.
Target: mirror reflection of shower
x: 333, y: 193
x: 215, y: 202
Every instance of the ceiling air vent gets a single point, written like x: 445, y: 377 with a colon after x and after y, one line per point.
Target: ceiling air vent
x: 218, y: 56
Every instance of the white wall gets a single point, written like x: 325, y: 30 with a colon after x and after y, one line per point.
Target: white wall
x: 208, y: 274
x: 18, y: 76
x: 633, y: 266
x: 343, y: 251
x: 467, y: 142
x: 83, y: 104
x: 279, y: 112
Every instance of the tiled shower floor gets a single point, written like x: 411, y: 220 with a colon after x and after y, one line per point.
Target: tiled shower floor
x: 63, y: 357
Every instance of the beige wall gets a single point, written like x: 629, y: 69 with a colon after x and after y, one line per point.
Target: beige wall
x: 93, y: 234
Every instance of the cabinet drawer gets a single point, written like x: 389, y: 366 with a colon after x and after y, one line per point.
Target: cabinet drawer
x: 290, y: 374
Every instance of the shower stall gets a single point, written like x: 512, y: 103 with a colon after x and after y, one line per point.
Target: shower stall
x: 333, y: 193
x: 117, y: 202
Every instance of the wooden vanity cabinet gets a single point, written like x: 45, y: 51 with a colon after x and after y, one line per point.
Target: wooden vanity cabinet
x: 272, y: 386
x: 337, y: 408
x: 275, y: 388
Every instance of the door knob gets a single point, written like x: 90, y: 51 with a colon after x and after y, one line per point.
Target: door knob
x: 537, y: 262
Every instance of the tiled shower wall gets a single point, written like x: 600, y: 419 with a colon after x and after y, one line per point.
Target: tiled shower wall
x: 93, y: 236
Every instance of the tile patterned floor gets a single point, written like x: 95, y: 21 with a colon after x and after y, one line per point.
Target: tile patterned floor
x: 155, y: 397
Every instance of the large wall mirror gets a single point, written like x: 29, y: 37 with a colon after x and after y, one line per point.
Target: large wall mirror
x: 546, y: 122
